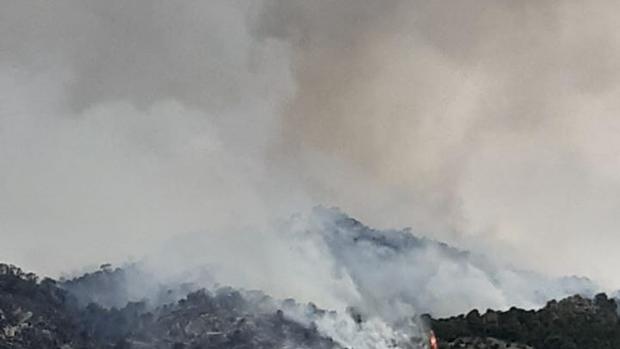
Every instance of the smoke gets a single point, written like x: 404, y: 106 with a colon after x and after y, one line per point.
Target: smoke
x: 126, y: 123
x: 490, y: 125
x: 393, y: 274
x: 327, y: 258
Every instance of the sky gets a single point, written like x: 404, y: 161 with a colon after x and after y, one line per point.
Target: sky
x: 491, y: 125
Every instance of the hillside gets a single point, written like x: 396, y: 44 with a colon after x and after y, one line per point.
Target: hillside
x: 134, y: 307
x: 40, y: 314
x: 571, y: 323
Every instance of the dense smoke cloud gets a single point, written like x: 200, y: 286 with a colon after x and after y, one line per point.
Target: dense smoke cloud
x: 483, y: 122
x: 127, y: 122
x: 489, y: 125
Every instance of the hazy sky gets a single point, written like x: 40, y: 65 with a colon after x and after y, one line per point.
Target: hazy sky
x: 492, y: 125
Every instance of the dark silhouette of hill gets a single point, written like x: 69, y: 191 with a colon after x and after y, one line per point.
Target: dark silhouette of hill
x: 572, y: 323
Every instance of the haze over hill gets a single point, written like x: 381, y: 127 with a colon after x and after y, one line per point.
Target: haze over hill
x: 375, y: 286
x: 335, y: 261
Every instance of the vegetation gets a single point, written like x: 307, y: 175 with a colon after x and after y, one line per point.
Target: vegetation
x: 572, y: 323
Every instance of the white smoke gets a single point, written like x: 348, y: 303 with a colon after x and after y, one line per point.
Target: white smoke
x: 108, y: 163
x: 373, y: 283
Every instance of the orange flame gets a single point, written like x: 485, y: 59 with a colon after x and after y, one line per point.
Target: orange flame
x: 433, y: 341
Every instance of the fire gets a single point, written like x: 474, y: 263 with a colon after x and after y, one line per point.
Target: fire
x: 433, y: 341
